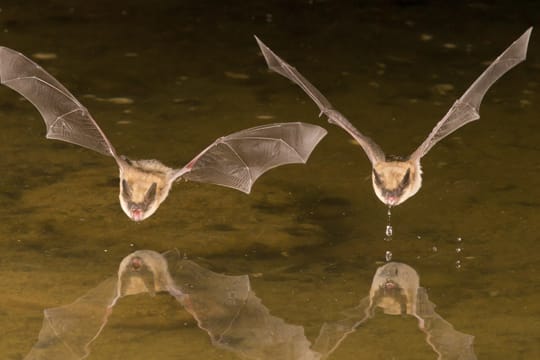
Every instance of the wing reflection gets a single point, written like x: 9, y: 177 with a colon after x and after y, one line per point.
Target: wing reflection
x: 234, y: 318
x: 396, y: 290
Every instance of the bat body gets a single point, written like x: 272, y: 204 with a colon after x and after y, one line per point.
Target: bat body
x: 234, y: 161
x: 397, y: 179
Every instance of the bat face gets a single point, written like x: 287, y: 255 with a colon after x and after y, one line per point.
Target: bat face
x: 394, y: 288
x: 396, y: 181
x: 143, y: 271
x: 144, y: 184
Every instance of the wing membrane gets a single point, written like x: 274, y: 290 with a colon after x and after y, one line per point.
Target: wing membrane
x: 239, y: 159
x: 275, y: 63
x: 467, y: 108
x: 65, y: 118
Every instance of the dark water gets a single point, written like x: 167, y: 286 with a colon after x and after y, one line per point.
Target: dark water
x: 311, y: 235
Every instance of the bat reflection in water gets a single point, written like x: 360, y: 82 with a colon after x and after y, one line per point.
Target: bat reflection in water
x: 396, y: 290
x: 223, y: 306
x: 395, y: 179
x: 235, y: 161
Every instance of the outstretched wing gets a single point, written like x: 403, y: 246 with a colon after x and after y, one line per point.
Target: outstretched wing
x: 66, y: 119
x: 275, y: 63
x: 445, y: 340
x: 466, y: 108
x: 237, y: 160
x: 69, y: 330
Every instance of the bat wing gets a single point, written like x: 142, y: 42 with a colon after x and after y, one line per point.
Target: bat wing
x: 446, y: 341
x: 332, y: 334
x: 467, y: 108
x: 235, y: 318
x: 68, y: 331
x: 65, y: 118
x: 237, y: 160
x: 275, y: 63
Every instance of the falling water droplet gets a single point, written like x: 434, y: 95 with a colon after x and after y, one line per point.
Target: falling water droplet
x: 458, y: 264
x: 389, y: 230
x: 458, y: 250
x: 388, y: 255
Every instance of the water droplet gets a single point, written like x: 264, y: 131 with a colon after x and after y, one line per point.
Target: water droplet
x: 459, y: 239
x: 434, y: 249
x: 388, y: 255
x: 458, y: 264
x: 389, y: 230
x: 458, y: 250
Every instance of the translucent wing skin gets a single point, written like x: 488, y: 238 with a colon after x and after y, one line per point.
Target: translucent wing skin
x: 445, y: 340
x: 65, y: 118
x: 332, y: 334
x: 68, y: 331
x: 235, y: 318
x: 466, y: 108
x: 275, y: 63
x: 237, y: 160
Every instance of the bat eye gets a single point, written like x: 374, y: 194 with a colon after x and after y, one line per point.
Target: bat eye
x: 126, y: 191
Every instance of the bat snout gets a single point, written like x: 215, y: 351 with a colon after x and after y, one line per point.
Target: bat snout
x: 137, y: 214
x: 392, y: 200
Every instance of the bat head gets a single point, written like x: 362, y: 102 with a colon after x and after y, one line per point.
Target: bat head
x: 144, y: 184
x: 143, y: 271
x: 394, y: 288
x: 397, y: 180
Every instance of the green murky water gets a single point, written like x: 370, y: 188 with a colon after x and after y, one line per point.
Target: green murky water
x: 311, y: 237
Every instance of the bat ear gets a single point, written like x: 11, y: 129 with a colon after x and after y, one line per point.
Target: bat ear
x: 126, y: 190
x: 377, y: 177
x: 151, y: 193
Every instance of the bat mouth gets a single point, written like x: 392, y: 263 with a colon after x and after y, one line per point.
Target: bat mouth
x: 390, y: 285
x: 392, y: 200
x: 137, y: 215
x: 136, y: 263
x: 391, y: 289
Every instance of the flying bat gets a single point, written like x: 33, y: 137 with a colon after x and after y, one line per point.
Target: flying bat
x: 395, y: 179
x: 234, y: 161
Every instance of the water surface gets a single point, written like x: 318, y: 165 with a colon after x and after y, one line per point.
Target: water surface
x: 311, y: 236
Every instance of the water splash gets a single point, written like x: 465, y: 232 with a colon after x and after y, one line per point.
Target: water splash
x: 389, y: 230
